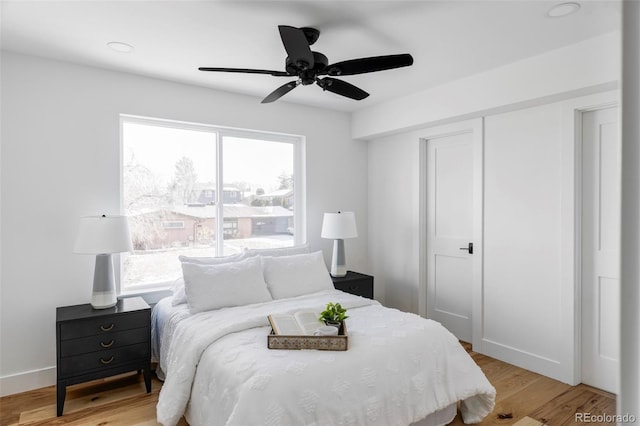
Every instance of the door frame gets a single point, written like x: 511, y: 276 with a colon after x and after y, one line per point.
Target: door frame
x: 476, y: 128
x: 577, y: 110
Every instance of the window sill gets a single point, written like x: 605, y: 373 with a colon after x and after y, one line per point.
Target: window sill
x: 151, y: 296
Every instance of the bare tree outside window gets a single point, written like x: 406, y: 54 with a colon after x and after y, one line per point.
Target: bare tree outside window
x: 183, y: 186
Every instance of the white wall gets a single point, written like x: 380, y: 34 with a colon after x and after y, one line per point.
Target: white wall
x: 394, y: 219
x: 60, y: 161
x: 523, y: 238
x: 587, y: 67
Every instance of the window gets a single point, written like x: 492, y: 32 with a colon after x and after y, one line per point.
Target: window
x: 175, y: 224
x: 172, y: 176
x: 230, y: 228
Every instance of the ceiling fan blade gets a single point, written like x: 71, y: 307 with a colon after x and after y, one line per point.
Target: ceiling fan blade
x: 342, y: 88
x: 374, y: 63
x: 247, y: 71
x: 280, y: 91
x: 297, y: 46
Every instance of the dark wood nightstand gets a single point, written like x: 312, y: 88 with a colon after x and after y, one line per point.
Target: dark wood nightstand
x: 355, y: 283
x: 96, y: 343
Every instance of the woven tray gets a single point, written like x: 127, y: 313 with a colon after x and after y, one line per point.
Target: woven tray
x: 322, y: 343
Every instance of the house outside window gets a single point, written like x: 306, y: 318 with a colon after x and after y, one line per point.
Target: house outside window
x: 172, y: 173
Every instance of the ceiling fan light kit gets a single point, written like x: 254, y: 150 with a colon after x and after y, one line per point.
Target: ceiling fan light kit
x: 309, y: 66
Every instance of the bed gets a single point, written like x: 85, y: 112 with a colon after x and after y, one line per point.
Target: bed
x: 399, y: 369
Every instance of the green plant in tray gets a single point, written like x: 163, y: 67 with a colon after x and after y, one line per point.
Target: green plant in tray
x: 333, y: 314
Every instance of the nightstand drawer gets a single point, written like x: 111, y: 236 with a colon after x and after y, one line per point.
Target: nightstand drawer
x: 361, y: 288
x: 102, y: 325
x: 104, y: 359
x: 104, y: 341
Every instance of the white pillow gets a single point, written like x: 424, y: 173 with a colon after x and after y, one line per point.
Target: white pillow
x: 179, y: 295
x: 280, y: 251
x: 289, y: 276
x: 229, y: 284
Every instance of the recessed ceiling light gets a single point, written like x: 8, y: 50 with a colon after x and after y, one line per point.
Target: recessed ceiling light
x: 120, y: 47
x: 563, y: 9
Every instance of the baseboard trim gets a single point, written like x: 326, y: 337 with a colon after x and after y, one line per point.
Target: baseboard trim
x: 527, y: 360
x: 29, y: 380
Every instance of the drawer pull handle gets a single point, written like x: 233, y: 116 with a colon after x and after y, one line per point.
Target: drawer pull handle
x: 107, y: 328
x: 353, y: 287
x: 107, y: 345
x: 106, y: 361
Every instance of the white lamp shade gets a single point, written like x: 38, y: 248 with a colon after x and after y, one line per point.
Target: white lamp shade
x: 339, y: 226
x: 103, y: 234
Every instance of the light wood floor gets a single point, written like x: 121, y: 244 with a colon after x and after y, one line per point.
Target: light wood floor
x: 523, y: 399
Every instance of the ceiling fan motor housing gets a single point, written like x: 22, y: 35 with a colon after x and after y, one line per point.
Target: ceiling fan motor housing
x: 307, y: 75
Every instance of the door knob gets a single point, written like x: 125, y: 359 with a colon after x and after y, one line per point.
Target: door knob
x: 469, y: 248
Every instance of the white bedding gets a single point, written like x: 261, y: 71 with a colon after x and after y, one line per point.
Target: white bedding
x: 399, y: 368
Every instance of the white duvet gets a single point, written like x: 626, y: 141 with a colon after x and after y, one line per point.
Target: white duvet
x: 398, y: 369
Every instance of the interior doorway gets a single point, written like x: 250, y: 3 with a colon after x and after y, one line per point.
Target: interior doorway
x: 451, y: 224
x: 600, y: 248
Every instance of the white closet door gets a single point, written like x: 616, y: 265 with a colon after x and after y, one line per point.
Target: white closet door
x: 450, y: 207
x: 601, y: 249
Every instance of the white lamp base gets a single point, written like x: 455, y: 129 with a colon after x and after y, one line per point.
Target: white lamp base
x: 104, y: 289
x: 338, y: 264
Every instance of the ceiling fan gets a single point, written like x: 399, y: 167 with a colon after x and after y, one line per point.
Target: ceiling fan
x: 310, y: 66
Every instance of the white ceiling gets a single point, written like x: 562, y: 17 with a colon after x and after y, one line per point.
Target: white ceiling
x: 448, y: 39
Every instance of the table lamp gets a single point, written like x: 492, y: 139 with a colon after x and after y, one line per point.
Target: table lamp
x: 338, y: 226
x: 102, y: 236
